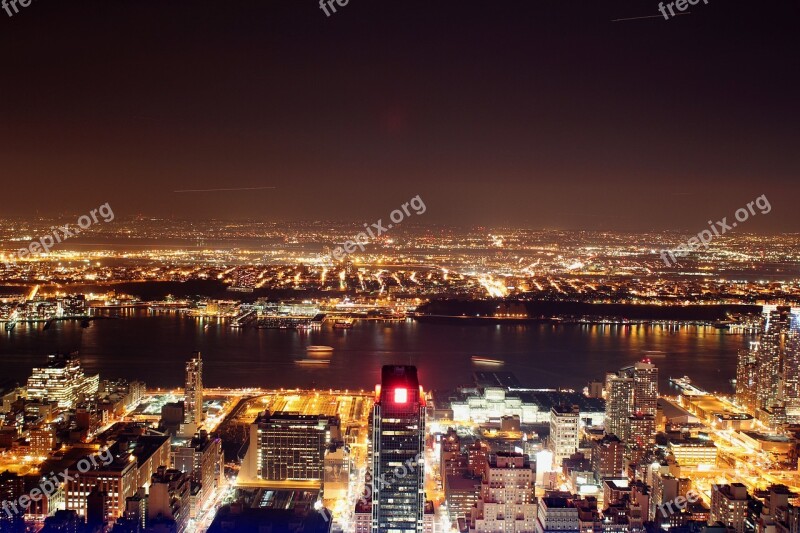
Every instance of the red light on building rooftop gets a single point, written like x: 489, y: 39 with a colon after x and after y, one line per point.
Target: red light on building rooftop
x: 401, y: 396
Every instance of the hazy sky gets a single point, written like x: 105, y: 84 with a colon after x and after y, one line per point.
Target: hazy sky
x: 530, y: 112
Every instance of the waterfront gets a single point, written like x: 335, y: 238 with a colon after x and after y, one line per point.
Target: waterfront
x: 154, y: 348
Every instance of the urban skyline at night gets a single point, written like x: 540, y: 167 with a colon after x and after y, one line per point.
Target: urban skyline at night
x: 350, y: 266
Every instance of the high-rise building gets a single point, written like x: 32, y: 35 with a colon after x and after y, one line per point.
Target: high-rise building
x: 168, y: 501
x: 193, y: 399
x: 398, y: 445
x: 746, y: 379
x: 61, y: 381
x: 769, y: 359
x: 729, y: 505
x: 791, y: 372
x: 453, y: 462
x: 641, y: 435
x: 619, y: 405
x: 645, y: 387
x: 292, y: 446
x: 477, y: 457
x: 506, y: 502
x: 768, y: 373
x: 632, y: 398
x: 201, y: 460
x: 564, y: 432
x: 607, y: 457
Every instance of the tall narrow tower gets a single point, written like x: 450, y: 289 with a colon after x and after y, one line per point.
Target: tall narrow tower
x: 645, y: 385
x: 398, y: 444
x: 193, y: 401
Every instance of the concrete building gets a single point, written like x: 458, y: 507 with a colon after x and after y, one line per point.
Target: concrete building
x: 62, y: 381
x: 557, y: 514
x: 168, y: 501
x: 607, y: 457
x: 564, y: 432
x: 491, y: 404
x: 202, y: 461
x: 135, y: 459
x: 506, y: 502
x: 461, y: 494
x: 729, y: 505
x: 693, y: 452
x: 290, y: 446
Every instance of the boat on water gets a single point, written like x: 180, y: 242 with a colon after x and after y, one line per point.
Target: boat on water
x: 319, y: 349
x: 685, y: 381
x: 486, y: 361
x: 345, y: 323
x: 314, y: 362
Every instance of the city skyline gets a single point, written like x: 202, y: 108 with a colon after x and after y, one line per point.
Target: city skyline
x: 360, y: 266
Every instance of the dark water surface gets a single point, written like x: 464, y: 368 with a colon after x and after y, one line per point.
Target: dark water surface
x: 154, y: 348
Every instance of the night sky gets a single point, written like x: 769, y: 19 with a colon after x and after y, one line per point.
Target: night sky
x: 533, y: 113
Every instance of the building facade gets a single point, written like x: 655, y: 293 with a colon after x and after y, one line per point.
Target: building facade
x: 564, y: 432
x: 292, y: 446
x: 506, y: 502
x: 398, y: 446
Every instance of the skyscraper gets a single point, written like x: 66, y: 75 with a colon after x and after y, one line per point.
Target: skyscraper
x: 631, y: 396
x: 746, y: 379
x: 398, y: 445
x: 619, y: 405
x: 768, y: 373
x: 645, y: 387
x: 791, y: 371
x: 193, y: 400
x: 564, y: 432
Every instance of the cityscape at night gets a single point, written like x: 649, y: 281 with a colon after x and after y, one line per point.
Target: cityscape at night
x: 350, y: 266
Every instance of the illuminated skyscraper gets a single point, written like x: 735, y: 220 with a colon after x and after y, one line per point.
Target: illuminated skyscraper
x: 398, y: 445
x: 631, y: 396
x: 193, y: 401
x: 619, y: 405
x: 645, y: 387
x: 746, y: 377
x: 768, y: 361
x: 768, y: 374
x: 791, y: 371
